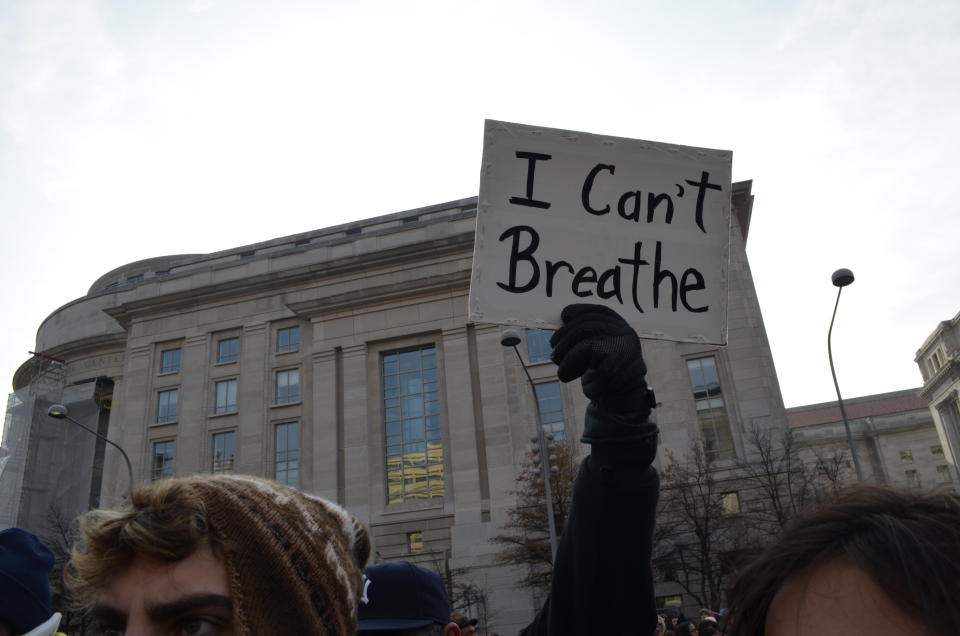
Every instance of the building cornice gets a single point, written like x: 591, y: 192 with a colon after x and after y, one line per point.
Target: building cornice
x: 945, y: 376
x: 417, y: 288
x: 94, y: 345
x: 190, y: 298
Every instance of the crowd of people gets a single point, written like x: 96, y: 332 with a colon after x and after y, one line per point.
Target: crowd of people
x: 232, y: 555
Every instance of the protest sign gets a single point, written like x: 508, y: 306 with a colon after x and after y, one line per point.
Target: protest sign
x: 567, y: 217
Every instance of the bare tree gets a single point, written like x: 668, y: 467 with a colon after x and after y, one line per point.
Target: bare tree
x: 698, y: 532
x: 832, y: 472
x: 61, y: 533
x: 780, y: 484
x: 468, y: 597
x: 525, y: 541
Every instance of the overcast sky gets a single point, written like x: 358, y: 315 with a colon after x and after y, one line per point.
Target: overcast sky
x: 138, y: 129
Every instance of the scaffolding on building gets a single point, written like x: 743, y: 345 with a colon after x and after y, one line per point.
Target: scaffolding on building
x: 46, y: 381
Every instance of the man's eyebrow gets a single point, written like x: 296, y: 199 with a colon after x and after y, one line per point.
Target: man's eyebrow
x: 187, y: 604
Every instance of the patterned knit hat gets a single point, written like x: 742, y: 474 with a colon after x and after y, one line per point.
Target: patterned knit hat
x: 295, y: 561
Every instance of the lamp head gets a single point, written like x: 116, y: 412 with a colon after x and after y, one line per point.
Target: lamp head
x: 842, y: 277
x: 510, y: 338
x: 57, y: 411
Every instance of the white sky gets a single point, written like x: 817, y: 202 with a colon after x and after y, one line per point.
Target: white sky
x: 138, y: 129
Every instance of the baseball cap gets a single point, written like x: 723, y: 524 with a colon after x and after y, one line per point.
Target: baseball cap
x: 25, y: 563
x: 401, y: 595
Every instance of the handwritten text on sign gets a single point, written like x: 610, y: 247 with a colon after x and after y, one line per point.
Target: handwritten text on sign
x: 566, y: 217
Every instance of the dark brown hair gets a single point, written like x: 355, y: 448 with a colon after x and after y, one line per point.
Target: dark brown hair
x: 908, y: 543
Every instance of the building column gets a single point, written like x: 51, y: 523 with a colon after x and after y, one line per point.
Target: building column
x: 322, y: 439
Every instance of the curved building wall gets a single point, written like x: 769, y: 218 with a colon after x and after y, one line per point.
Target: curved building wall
x: 203, y: 375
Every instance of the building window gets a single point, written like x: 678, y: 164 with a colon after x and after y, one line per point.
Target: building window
x: 162, y: 460
x: 288, y: 386
x: 935, y: 361
x: 674, y: 600
x: 906, y: 456
x: 226, y: 397
x: 711, y: 411
x: 288, y: 339
x: 538, y: 344
x: 943, y: 474
x: 167, y: 406
x: 170, y: 361
x: 228, y: 350
x: 551, y: 409
x: 411, y: 407
x: 913, y: 479
x: 415, y: 541
x: 224, y: 452
x: 287, y: 454
x: 730, y: 503
x: 936, y: 451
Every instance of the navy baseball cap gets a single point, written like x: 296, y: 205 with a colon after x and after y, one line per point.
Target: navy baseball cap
x: 401, y: 595
x: 25, y: 564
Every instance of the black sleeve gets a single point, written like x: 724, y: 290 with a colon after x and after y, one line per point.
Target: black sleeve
x: 602, y: 578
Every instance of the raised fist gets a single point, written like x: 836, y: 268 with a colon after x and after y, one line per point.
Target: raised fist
x: 597, y: 345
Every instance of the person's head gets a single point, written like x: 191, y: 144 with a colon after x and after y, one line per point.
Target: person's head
x: 235, y: 555
x: 686, y: 628
x: 402, y: 598
x: 708, y: 626
x: 467, y: 625
x: 874, y: 560
x: 25, y: 564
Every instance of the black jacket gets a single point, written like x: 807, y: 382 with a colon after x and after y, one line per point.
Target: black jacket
x: 602, y: 578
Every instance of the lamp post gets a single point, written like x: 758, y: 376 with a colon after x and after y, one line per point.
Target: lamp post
x: 511, y: 338
x: 60, y: 412
x: 841, y: 278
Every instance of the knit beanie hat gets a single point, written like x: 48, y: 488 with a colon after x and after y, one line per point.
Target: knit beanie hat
x: 295, y: 561
x: 25, y: 564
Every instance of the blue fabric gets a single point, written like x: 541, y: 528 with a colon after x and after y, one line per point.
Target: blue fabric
x: 25, y: 564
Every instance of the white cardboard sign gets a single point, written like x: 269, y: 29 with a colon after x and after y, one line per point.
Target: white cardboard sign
x: 567, y: 217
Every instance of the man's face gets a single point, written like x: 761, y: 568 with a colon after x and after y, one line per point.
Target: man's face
x: 154, y: 598
x: 836, y: 597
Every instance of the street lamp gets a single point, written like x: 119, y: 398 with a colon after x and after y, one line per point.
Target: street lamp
x: 841, y: 278
x: 59, y: 412
x: 511, y: 338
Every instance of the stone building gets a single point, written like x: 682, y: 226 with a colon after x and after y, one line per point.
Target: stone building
x: 939, y: 362
x: 893, y: 433
x: 341, y: 361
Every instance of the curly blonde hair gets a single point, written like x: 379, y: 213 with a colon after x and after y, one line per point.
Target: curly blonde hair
x: 166, y: 521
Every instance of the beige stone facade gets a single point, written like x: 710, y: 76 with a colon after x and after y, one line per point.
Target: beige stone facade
x: 939, y: 362
x: 893, y: 433
x: 358, y: 294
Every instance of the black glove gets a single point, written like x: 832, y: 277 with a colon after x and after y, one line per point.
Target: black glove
x: 597, y: 344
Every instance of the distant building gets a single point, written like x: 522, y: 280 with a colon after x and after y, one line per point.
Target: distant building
x: 894, y: 434
x: 340, y: 361
x: 939, y: 362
